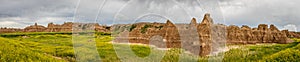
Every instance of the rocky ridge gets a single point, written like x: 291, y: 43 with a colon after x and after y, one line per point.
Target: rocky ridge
x: 66, y: 27
x: 209, y: 36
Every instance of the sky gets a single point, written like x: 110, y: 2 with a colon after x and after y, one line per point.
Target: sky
x: 285, y: 14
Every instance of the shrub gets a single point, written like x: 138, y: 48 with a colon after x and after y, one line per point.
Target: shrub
x: 159, y: 27
x: 144, y: 29
x: 132, y: 27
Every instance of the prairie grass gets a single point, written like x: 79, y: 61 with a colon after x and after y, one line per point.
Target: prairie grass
x: 13, y: 51
x: 263, y: 53
x: 58, y: 47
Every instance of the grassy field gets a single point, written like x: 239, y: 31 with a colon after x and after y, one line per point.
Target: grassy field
x: 58, y: 47
x: 12, y: 51
x: 264, y: 52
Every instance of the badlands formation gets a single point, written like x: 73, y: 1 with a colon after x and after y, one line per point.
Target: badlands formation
x: 66, y: 27
x: 198, y: 38
x: 205, y: 37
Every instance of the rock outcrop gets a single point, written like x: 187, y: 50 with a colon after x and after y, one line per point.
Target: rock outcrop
x: 201, y: 39
x: 209, y: 36
x: 205, y: 31
x: 10, y: 30
x: 193, y: 22
x: 291, y: 34
x: 143, y: 33
x: 35, y: 28
x: 172, y: 35
x: 262, y: 34
x: 66, y: 27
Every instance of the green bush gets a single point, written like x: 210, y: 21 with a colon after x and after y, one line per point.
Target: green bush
x: 132, y: 27
x: 144, y: 29
x: 159, y: 27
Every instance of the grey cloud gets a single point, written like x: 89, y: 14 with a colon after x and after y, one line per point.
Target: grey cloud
x: 24, y: 12
x: 237, y: 12
x: 178, y: 8
x: 36, y: 7
x: 254, y: 12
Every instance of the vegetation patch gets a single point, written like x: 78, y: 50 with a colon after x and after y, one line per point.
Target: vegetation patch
x: 144, y: 29
x: 262, y: 53
x: 132, y: 27
x: 159, y: 27
x: 12, y: 51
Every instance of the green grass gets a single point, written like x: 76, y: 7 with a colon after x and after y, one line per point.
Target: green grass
x: 291, y: 54
x: 262, y: 53
x: 12, y: 51
x: 61, y: 46
x: 57, y: 47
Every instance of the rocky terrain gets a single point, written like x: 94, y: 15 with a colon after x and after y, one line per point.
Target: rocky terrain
x: 205, y: 37
x: 66, y: 27
x: 10, y: 30
x: 202, y: 38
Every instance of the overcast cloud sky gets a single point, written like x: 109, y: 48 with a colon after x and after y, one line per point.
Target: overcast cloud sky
x: 20, y: 13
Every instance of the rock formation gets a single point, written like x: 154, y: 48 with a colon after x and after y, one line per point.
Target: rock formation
x: 204, y: 31
x: 9, y: 30
x: 35, y: 28
x: 193, y: 22
x: 198, y: 38
x: 262, y: 34
x: 172, y: 35
x: 235, y: 34
x: 143, y: 32
x: 209, y: 36
x: 291, y: 34
x: 66, y: 27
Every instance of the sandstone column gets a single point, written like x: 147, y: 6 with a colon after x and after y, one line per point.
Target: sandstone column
x: 204, y: 31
